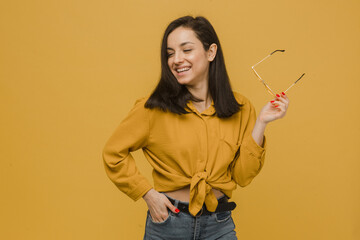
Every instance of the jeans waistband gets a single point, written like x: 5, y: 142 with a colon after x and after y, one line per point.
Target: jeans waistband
x: 223, y: 205
x: 219, y: 199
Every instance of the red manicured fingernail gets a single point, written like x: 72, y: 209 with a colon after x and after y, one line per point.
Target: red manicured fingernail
x: 272, y: 101
x: 283, y: 93
x: 277, y: 95
x: 177, y: 210
x: 277, y: 106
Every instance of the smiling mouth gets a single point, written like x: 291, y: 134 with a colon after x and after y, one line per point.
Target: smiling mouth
x: 180, y: 70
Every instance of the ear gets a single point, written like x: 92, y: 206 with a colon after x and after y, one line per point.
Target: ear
x: 212, y: 52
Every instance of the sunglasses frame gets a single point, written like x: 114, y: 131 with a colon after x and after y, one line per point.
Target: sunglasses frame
x: 265, y: 84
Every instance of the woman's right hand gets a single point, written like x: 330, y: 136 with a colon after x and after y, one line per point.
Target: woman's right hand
x: 158, y: 204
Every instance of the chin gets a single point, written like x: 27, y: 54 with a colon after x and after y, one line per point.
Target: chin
x: 184, y: 81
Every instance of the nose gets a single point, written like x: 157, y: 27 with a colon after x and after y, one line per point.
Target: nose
x: 178, y: 57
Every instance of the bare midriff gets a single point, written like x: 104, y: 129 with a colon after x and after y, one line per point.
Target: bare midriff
x: 183, y: 194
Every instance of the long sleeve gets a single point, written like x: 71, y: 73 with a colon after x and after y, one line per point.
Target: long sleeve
x: 131, y: 135
x: 250, y: 157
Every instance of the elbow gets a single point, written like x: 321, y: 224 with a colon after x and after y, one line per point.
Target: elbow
x: 245, y: 178
x: 246, y: 175
x: 111, y: 158
x: 245, y: 182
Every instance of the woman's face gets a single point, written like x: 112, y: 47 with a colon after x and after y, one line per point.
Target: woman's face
x: 187, y: 59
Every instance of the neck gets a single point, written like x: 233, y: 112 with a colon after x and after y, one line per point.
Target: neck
x: 201, y: 92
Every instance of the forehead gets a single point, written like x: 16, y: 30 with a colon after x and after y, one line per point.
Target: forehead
x: 181, y: 35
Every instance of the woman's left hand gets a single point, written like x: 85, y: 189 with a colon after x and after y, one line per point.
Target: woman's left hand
x: 274, y: 109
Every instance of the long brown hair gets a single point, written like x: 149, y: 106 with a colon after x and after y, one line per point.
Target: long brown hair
x: 170, y: 95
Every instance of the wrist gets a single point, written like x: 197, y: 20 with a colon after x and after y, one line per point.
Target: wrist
x: 146, y: 195
x: 261, y: 123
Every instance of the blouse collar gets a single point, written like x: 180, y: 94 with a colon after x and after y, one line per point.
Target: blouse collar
x: 209, y: 111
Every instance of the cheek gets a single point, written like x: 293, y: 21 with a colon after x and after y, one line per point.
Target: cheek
x: 193, y: 58
x: 198, y: 59
x: 201, y: 64
x: 169, y: 61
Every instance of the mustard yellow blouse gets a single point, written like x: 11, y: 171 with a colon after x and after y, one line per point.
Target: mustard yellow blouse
x: 196, y: 149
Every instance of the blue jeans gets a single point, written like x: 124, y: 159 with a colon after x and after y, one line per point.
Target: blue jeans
x: 187, y: 227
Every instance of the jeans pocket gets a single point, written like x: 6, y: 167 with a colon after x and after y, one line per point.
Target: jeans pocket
x: 164, y: 221
x: 222, y: 216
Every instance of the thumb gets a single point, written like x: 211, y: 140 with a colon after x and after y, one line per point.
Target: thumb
x: 172, y: 207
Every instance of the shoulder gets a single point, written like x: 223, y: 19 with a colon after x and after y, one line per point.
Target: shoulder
x: 241, y: 99
x: 142, y: 100
x: 138, y: 107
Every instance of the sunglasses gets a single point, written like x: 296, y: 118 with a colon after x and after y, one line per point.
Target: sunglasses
x: 265, y: 84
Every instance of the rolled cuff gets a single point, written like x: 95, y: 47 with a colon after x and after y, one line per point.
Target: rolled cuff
x: 140, y: 190
x: 253, y: 148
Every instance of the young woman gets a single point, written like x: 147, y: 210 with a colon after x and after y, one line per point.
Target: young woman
x: 201, y: 138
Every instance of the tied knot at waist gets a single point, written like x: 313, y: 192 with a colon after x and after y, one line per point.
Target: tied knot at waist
x: 200, y: 193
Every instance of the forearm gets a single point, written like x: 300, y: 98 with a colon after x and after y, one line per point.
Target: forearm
x: 258, y: 132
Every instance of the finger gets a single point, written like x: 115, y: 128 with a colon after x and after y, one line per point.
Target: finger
x: 276, y: 103
x: 160, y: 217
x: 280, y: 107
x: 155, y: 217
x: 172, y: 207
x: 159, y: 212
x: 280, y: 97
x: 282, y: 103
x: 282, y: 110
x: 285, y: 96
x: 164, y: 217
x: 283, y: 100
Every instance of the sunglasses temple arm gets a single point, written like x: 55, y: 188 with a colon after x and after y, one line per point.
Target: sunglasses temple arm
x: 289, y: 87
x: 261, y: 61
x: 267, y: 87
x: 256, y: 73
x: 294, y: 83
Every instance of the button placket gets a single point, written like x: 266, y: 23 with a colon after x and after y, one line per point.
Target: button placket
x: 201, y: 166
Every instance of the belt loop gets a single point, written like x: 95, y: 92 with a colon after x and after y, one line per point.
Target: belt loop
x: 176, y: 204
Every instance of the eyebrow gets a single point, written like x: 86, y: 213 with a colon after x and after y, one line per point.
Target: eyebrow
x: 182, y: 44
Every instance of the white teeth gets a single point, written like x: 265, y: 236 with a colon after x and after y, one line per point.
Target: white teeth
x: 179, y: 70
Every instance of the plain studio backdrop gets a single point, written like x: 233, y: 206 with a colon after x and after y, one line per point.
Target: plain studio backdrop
x: 70, y: 71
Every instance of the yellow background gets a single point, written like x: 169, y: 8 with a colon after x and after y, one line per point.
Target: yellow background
x: 71, y: 70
